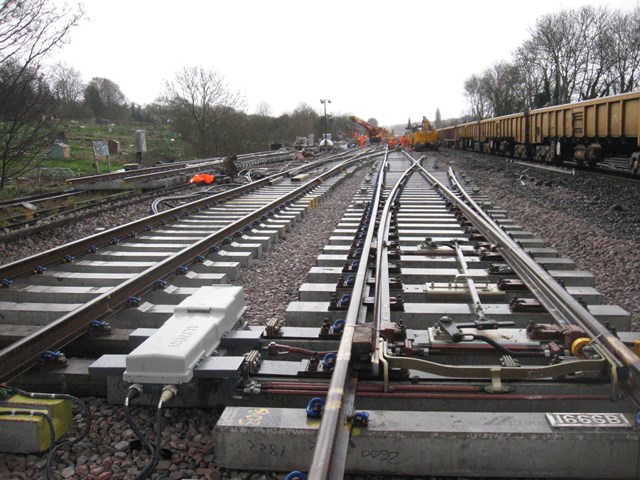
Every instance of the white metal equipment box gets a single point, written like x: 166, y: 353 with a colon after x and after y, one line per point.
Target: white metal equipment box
x: 192, y: 333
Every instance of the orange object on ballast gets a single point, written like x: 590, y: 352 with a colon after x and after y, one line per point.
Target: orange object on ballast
x: 202, y: 178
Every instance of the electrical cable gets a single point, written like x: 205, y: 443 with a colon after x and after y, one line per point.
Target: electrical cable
x: 156, y: 454
x: 133, y: 392
x: 168, y: 392
x: 278, y: 349
x: 502, y: 348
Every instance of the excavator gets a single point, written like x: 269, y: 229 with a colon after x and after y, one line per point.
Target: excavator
x: 376, y: 134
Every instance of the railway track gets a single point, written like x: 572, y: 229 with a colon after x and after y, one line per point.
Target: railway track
x: 426, y: 330
x: 26, y: 216
x: 417, y: 336
x: 170, y: 173
x: 97, y: 282
x: 25, y: 225
x: 32, y: 199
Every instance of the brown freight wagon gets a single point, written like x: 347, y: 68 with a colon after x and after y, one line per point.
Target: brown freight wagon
x: 467, y: 136
x: 502, y: 135
x: 583, y: 131
x: 447, y: 136
x: 586, y: 131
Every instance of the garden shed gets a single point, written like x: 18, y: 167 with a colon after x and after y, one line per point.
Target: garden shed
x: 59, y: 150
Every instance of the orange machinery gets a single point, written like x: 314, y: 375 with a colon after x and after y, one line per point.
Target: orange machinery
x: 376, y: 134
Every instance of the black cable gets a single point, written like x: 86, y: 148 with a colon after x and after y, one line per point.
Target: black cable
x: 156, y: 456
x: 502, y: 348
x: 150, y: 466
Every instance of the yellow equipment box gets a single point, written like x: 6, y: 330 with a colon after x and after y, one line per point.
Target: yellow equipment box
x: 24, y: 432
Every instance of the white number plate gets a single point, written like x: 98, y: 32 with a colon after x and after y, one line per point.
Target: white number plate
x: 591, y: 420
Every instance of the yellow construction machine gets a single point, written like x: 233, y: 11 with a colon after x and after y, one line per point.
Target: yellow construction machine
x: 424, y: 136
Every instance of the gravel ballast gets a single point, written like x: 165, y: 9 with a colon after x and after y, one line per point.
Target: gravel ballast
x: 591, y: 221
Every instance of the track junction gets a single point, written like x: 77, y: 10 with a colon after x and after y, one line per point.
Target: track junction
x: 433, y: 335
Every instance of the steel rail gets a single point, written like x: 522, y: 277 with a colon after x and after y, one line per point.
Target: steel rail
x: 42, y: 197
x: 160, y: 170
x: 137, y: 176
x: 25, y: 352
x: 382, y: 312
x: 51, y: 215
x: 382, y: 296
x: 56, y: 255
x: 564, y: 308
x: 157, y: 170
x: 340, y: 379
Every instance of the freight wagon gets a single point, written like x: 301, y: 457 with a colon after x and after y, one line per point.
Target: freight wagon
x: 585, y: 131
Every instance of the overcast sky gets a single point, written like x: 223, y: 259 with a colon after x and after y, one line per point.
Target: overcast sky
x: 390, y: 60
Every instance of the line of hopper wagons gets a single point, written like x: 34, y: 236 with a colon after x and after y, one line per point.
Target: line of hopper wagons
x: 584, y: 132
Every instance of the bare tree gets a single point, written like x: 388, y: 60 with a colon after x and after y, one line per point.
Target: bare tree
x: 438, y: 119
x: 29, y: 31
x: 201, y: 103
x: 553, y: 42
x: 476, y: 92
x: 105, y: 99
x: 263, y: 109
x: 571, y: 47
x: 501, y: 85
x: 303, y: 121
x: 25, y: 124
x: 342, y: 127
x: 594, y: 60
x: 67, y: 88
x: 535, y: 76
x: 572, y: 55
x: 158, y: 112
x: 624, y: 51
x: 260, y: 128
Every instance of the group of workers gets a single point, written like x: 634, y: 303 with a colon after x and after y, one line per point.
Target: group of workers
x: 404, y: 141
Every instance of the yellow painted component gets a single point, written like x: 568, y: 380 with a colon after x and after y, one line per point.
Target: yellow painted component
x: 335, y: 405
x: 443, y: 292
x: 25, y: 433
x: 635, y: 347
x: 578, y: 344
x: 313, y: 202
x: 301, y: 177
x: 314, y: 422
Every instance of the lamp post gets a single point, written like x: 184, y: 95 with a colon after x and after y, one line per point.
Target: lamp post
x: 326, y: 140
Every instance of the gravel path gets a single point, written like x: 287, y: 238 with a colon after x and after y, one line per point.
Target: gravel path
x: 596, y: 224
